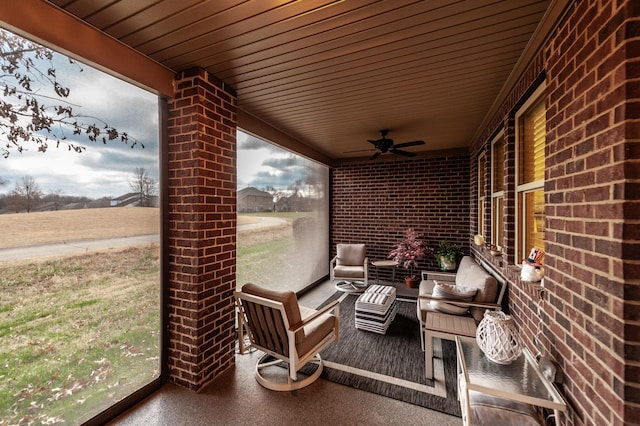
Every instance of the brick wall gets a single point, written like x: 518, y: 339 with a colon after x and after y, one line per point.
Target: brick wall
x: 590, y: 315
x: 202, y: 229
x: 374, y: 202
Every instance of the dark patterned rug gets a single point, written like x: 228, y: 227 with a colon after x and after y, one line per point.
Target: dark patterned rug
x: 391, y: 364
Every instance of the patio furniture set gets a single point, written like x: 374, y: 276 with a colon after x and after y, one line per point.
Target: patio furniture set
x: 449, y: 306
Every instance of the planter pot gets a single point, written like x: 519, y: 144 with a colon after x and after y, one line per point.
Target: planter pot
x: 411, y: 282
x: 447, y: 265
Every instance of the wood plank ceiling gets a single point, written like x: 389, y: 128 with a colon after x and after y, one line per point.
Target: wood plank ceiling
x: 332, y: 73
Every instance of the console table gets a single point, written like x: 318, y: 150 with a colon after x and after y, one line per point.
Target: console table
x: 521, y: 381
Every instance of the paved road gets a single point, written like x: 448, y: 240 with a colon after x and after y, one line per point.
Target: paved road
x: 73, y: 247
x: 82, y: 246
x: 265, y: 222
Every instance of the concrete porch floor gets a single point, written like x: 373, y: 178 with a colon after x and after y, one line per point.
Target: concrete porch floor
x: 235, y: 398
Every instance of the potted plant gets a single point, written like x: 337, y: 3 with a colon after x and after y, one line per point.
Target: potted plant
x: 407, y: 252
x: 447, y: 255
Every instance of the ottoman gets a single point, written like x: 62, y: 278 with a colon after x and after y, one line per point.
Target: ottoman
x: 376, y: 308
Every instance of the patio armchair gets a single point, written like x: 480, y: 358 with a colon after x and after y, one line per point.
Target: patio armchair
x: 287, y: 333
x: 350, y: 263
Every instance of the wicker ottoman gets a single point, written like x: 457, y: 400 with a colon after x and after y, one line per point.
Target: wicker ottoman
x: 376, y: 308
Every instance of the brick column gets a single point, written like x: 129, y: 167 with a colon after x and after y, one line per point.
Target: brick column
x: 202, y: 228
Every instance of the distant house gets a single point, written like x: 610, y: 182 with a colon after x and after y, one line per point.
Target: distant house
x: 253, y: 200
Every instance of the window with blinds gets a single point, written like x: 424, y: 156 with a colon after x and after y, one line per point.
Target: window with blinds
x: 533, y: 132
x: 497, y: 189
x: 482, y: 166
x: 531, y: 137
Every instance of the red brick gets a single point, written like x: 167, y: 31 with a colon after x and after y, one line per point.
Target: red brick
x: 198, y: 272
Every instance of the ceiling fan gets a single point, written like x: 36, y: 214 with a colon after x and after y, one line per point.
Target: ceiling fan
x: 384, y: 145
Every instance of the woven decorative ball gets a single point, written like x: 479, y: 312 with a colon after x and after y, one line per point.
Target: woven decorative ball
x: 498, y: 338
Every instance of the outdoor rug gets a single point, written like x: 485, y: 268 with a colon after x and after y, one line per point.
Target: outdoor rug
x: 392, y: 364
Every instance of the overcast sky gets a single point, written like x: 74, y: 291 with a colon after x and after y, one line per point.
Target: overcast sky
x: 106, y: 170
x: 102, y: 170
x: 261, y: 164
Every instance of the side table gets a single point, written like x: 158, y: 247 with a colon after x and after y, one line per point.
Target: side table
x: 521, y: 381
x: 385, y: 264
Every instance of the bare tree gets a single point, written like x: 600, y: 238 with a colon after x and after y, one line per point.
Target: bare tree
x: 145, y: 186
x: 26, y: 195
x: 34, y: 107
x: 276, y: 193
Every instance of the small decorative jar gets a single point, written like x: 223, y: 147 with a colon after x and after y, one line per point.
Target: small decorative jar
x: 498, y: 338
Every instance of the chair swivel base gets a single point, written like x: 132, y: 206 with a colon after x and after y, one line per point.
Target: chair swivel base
x: 281, y: 385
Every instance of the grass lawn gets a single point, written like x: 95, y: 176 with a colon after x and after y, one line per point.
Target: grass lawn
x: 268, y: 256
x: 77, y: 334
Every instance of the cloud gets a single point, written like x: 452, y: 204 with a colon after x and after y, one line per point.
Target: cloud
x: 103, y: 169
x: 289, y: 162
x: 262, y: 164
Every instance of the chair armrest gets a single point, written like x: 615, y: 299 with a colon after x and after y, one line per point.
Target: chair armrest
x: 331, y: 306
x: 459, y: 302
x: 333, y: 261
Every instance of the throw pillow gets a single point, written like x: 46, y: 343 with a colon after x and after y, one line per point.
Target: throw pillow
x: 455, y: 292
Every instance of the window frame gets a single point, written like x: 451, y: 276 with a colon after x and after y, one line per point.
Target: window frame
x: 482, y: 193
x: 522, y: 189
x: 119, y: 404
x: 497, y: 221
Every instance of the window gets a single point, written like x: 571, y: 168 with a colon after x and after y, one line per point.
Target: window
x: 80, y: 295
x: 530, y: 147
x: 482, y: 165
x: 497, y: 190
x: 283, y: 217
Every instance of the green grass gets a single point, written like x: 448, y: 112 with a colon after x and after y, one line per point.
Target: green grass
x: 77, y: 334
x: 256, y: 262
x: 271, y: 257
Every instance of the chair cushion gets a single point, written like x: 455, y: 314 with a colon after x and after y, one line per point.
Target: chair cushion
x: 470, y: 274
x: 316, y: 330
x: 288, y: 299
x: 342, y: 271
x: 351, y: 254
x: 451, y: 291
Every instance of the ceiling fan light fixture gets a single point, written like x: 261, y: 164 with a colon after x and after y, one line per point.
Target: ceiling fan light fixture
x: 384, y: 145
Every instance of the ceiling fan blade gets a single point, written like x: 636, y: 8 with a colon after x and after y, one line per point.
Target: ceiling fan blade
x: 405, y: 153
x: 374, y: 156
x: 406, y: 144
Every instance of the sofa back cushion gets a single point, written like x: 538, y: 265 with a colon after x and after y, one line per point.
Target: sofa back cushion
x: 470, y: 274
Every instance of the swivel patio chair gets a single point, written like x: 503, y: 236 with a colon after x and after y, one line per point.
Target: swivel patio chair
x: 350, y: 264
x: 287, y: 333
